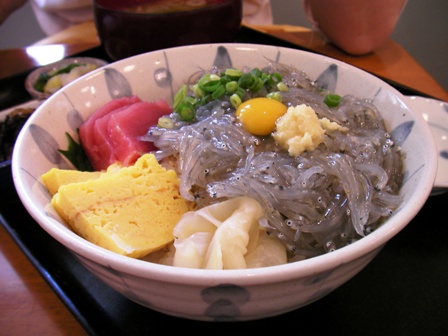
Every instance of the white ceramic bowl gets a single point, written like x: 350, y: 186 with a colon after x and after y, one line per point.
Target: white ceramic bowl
x: 435, y: 112
x: 199, y: 294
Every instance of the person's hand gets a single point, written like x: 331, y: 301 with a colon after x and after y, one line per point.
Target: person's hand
x: 7, y: 7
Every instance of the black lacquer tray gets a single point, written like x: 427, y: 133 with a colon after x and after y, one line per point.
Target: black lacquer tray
x: 403, y: 291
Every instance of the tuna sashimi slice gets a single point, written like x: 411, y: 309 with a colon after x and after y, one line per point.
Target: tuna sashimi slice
x: 87, y: 129
x: 112, y: 133
x: 128, y: 125
x: 101, y: 153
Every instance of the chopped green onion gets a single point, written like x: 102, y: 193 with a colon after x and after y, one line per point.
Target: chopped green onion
x: 179, y: 97
x: 265, y: 77
x: 276, y: 77
x: 257, y: 84
x: 256, y: 72
x: 197, y: 91
x: 218, y: 92
x: 240, y: 92
x: 207, y: 84
x: 246, y: 80
x: 233, y: 72
x: 235, y: 84
x: 232, y: 87
x: 165, y: 122
x: 190, y: 99
x: 332, y: 100
x: 275, y: 96
x: 282, y: 87
x: 204, y: 79
x: 186, y: 111
x: 235, y: 100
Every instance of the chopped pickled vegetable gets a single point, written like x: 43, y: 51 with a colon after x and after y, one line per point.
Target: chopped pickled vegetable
x: 46, y: 76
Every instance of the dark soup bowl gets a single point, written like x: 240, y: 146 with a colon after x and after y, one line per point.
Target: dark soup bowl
x: 131, y: 27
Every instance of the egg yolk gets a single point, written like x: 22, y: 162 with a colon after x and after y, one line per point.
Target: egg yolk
x: 258, y: 115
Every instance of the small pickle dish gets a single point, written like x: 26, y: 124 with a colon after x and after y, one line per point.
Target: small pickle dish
x: 226, y: 294
x: 46, y: 80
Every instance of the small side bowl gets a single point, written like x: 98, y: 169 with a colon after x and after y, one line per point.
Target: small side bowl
x: 34, y: 75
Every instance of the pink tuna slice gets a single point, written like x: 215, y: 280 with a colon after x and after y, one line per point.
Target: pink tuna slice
x: 111, y: 134
x: 87, y: 129
x: 125, y: 127
x: 101, y: 151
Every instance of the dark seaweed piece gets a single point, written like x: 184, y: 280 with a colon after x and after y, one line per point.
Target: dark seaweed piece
x: 10, y: 129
